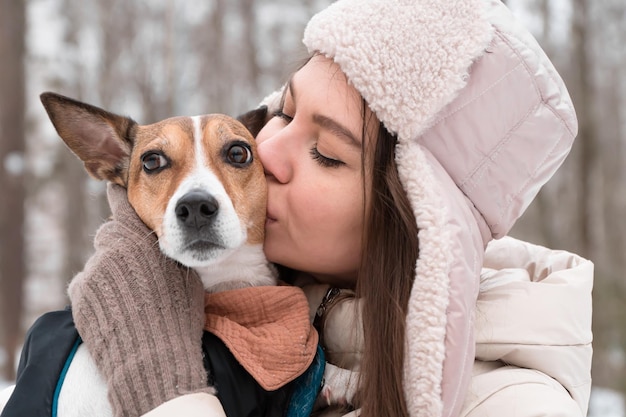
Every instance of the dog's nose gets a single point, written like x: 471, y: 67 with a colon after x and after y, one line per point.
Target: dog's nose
x: 196, y: 209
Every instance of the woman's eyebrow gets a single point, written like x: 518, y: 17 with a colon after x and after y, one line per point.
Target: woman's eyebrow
x: 337, y: 128
x: 328, y: 123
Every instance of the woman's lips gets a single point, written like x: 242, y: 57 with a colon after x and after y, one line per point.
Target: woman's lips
x: 269, y: 219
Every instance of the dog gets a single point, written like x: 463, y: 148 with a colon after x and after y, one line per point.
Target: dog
x: 179, y: 173
x: 197, y: 182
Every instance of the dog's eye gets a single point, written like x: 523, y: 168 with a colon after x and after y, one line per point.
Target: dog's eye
x: 239, y: 154
x: 153, y: 162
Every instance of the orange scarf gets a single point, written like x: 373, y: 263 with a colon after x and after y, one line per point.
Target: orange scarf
x: 267, y: 329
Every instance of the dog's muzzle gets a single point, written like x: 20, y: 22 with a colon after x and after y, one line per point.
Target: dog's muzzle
x: 196, y: 209
x: 196, y: 214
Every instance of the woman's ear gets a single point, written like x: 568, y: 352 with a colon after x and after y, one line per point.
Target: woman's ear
x: 254, y: 120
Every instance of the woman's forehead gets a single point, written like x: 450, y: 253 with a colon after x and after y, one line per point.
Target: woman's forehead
x: 321, y: 78
x: 321, y: 74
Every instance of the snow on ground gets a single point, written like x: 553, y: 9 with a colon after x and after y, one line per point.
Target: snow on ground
x: 3, y: 383
x: 606, y: 403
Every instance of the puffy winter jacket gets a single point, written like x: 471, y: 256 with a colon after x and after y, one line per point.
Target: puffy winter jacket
x: 533, y: 333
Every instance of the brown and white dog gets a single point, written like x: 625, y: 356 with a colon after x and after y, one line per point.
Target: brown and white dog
x: 198, y: 183
x: 195, y: 181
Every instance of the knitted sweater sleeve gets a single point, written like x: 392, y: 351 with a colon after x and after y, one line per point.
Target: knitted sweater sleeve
x: 140, y: 314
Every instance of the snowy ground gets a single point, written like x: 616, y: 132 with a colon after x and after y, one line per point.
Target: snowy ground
x: 606, y: 403
x: 3, y: 383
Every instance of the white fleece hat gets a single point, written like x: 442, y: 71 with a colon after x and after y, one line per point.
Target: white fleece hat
x: 407, y: 58
x: 483, y: 120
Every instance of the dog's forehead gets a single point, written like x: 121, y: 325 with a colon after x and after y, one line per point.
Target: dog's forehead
x: 206, y: 127
x: 224, y: 127
x: 175, y: 127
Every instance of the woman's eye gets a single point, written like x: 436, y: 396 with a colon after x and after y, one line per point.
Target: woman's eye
x: 239, y: 155
x: 324, y: 160
x: 154, y: 162
x: 280, y: 114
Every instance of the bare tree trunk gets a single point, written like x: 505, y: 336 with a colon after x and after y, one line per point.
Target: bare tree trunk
x: 75, y: 219
x: 216, y: 56
x: 70, y: 170
x: 12, y: 188
x: 544, y: 202
x: 583, y: 98
x: 546, y: 15
x: 250, y: 50
x: 170, y: 58
x: 613, y: 171
x: 597, y: 36
x: 609, y: 286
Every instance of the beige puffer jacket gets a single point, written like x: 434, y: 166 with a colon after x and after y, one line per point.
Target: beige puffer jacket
x: 533, y: 318
x: 533, y: 333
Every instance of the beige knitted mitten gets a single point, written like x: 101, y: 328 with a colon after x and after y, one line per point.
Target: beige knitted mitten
x: 140, y: 314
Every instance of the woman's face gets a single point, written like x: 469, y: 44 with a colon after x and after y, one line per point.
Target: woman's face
x: 311, y: 151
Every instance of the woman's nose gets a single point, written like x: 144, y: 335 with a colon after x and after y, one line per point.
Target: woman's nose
x: 276, y: 158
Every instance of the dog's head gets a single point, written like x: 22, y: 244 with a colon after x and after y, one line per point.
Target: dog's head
x: 196, y: 181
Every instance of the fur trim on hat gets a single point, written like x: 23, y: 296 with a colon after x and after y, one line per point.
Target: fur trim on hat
x: 407, y: 58
x: 426, y: 315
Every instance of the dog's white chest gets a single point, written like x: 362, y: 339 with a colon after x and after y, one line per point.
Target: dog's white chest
x: 84, y: 391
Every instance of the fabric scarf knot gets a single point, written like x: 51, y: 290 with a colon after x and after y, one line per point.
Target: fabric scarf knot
x: 267, y: 329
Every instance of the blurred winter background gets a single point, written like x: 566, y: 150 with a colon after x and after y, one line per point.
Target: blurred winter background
x: 156, y: 58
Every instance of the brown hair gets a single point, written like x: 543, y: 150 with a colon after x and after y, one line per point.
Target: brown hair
x: 386, y: 275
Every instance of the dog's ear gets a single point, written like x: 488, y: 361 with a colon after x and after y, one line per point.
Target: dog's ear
x: 102, y: 140
x: 254, y: 120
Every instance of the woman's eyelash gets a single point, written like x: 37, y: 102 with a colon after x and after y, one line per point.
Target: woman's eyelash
x: 282, y: 115
x: 324, y: 160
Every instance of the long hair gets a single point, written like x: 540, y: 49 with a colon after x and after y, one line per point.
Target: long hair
x: 387, y: 272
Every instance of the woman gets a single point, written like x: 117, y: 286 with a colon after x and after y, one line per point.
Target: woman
x: 482, y: 121
x: 418, y: 132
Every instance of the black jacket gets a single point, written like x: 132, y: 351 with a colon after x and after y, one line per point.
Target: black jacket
x: 52, y: 341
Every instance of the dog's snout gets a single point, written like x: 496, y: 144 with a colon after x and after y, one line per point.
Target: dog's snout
x: 196, y: 209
